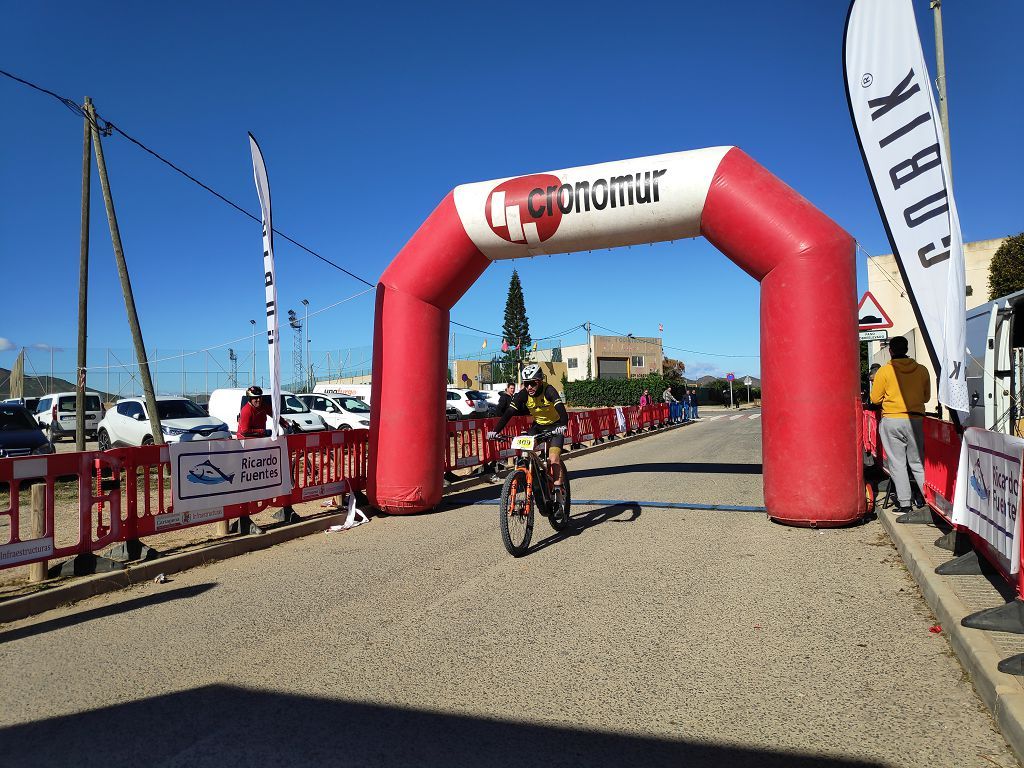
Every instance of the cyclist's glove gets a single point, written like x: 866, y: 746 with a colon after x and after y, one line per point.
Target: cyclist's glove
x: 492, y: 435
x: 558, y: 431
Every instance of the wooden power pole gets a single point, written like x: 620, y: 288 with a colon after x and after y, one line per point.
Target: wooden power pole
x: 126, y: 283
x: 83, y: 284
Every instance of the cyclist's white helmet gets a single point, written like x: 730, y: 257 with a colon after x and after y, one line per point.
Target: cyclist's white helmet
x: 533, y: 372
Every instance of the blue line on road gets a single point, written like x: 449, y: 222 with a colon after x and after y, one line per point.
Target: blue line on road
x: 627, y: 503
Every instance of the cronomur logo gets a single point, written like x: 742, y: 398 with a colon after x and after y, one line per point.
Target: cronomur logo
x: 529, y: 209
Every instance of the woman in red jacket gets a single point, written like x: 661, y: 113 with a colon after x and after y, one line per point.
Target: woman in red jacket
x: 252, y: 421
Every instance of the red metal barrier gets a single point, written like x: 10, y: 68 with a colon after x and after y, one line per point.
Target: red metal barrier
x: 125, y: 493
x: 941, y: 462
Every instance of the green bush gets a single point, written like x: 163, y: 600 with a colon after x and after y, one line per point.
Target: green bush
x: 601, y: 393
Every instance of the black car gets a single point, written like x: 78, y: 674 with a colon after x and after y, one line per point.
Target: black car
x: 20, y: 433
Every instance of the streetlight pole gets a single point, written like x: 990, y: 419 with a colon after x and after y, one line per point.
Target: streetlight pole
x: 253, y: 324
x: 940, y: 79
x: 305, y: 323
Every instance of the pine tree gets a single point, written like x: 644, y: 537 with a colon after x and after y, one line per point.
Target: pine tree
x: 516, y: 328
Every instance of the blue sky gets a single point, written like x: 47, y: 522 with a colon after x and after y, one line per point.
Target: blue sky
x: 368, y: 115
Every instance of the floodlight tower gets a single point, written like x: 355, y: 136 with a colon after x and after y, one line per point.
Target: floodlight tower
x: 296, y: 326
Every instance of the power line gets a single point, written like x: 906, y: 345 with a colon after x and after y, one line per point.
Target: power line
x: 109, y: 126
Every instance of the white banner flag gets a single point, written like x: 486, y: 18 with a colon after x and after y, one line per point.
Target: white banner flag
x: 259, y: 171
x: 987, y: 499
x: 897, y: 126
x: 211, y: 474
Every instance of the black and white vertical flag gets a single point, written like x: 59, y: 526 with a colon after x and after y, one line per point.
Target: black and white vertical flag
x: 897, y: 126
x: 259, y: 170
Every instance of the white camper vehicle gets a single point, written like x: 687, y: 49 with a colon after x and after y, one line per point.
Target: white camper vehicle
x: 360, y: 391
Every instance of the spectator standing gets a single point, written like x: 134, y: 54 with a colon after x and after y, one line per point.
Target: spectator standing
x: 693, y: 405
x: 645, y: 399
x: 669, y: 399
x: 902, y: 387
x: 505, y: 398
x: 686, y: 405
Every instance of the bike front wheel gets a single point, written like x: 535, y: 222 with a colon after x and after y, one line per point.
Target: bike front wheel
x: 516, y: 511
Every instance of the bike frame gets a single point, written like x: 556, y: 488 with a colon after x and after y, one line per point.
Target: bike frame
x: 530, y: 461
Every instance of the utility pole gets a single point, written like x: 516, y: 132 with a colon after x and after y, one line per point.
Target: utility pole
x: 590, y: 372
x: 126, y: 283
x: 83, y: 285
x: 184, y: 387
x: 940, y: 80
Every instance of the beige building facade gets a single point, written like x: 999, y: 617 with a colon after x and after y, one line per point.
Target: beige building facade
x: 614, y: 357
x: 886, y: 285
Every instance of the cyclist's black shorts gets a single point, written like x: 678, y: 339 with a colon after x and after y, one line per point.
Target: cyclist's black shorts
x: 554, y: 441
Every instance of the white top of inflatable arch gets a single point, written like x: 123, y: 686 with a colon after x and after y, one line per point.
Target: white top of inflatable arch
x: 643, y: 200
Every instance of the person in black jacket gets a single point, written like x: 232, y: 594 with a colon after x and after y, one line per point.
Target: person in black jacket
x: 505, y: 398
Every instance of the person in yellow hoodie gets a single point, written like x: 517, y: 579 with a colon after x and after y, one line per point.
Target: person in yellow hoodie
x: 902, y: 387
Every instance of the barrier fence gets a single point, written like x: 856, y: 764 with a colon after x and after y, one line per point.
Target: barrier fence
x: 123, y: 494
x: 941, y: 462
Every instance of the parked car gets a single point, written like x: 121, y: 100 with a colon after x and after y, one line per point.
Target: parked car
x: 339, y: 411
x: 461, y: 404
x: 127, y: 423
x: 56, y: 414
x: 30, y: 403
x: 488, y: 397
x: 226, y: 405
x: 20, y: 433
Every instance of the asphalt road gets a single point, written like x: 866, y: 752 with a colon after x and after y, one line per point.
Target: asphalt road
x: 646, y: 637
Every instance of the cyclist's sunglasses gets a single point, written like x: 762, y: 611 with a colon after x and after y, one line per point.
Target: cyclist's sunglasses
x: 531, y: 383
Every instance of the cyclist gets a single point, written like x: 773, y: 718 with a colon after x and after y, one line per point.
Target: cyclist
x: 544, y: 404
x: 252, y: 421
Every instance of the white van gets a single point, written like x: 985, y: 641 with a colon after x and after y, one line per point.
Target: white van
x: 339, y: 411
x: 226, y: 405
x: 56, y: 414
x: 360, y: 391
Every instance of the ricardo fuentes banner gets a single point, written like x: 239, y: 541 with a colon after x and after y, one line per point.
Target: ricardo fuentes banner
x: 211, y: 474
x: 987, y: 499
x: 897, y: 126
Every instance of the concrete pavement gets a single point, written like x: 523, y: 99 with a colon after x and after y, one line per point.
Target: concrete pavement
x: 647, y: 637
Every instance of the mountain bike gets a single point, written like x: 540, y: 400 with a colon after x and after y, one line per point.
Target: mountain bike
x: 529, y: 486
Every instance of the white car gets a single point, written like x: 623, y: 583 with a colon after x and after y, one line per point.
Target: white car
x: 339, y: 411
x: 462, y: 405
x: 56, y: 414
x: 181, y: 420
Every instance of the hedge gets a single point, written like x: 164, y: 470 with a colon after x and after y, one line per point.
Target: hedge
x: 599, y: 393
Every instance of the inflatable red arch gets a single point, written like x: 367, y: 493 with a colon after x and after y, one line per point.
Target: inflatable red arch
x: 803, y: 260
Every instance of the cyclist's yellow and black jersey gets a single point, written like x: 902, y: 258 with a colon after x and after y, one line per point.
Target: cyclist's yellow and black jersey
x: 546, y: 408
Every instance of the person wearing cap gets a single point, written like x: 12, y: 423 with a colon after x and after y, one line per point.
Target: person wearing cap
x: 541, y: 401
x: 252, y: 421
x: 902, y: 387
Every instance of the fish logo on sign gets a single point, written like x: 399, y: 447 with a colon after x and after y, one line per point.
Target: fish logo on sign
x: 977, y: 481
x: 207, y: 473
x: 870, y: 315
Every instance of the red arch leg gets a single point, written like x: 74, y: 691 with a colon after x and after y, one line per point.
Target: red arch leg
x: 805, y: 262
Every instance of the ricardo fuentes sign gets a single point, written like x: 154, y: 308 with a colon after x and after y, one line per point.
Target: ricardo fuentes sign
x: 216, y: 473
x: 987, y: 499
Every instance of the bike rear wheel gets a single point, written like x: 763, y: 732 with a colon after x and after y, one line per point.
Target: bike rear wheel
x: 562, y: 505
x: 516, y: 511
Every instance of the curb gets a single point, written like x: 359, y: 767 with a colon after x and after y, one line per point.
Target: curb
x: 1002, y: 693
x: 89, y: 586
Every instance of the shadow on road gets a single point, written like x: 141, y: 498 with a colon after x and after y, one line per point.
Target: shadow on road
x: 179, y: 593
x: 226, y: 726
x: 580, y: 523
x: 671, y: 466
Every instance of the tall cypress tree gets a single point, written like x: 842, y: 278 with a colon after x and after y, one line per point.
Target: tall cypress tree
x: 516, y: 328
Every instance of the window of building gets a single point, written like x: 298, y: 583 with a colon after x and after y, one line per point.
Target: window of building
x: 637, y: 361
x: 571, y: 362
